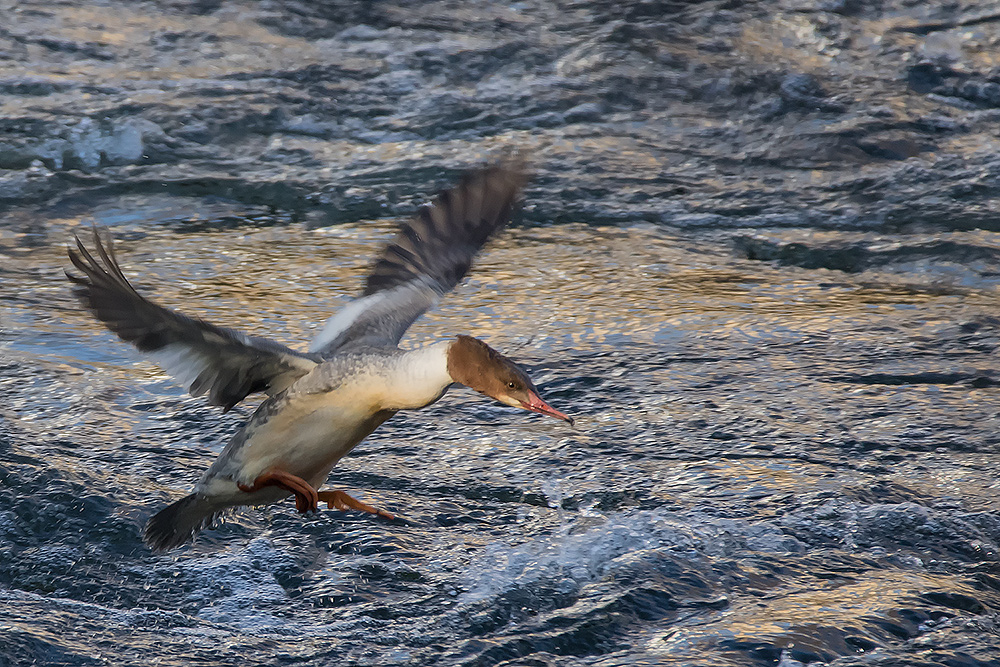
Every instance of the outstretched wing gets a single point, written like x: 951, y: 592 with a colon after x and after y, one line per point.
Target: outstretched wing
x: 429, y: 256
x: 223, y: 363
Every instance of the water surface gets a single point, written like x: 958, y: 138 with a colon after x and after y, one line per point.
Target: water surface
x: 768, y: 461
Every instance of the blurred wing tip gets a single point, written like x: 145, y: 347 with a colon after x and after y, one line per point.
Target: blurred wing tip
x: 513, y: 167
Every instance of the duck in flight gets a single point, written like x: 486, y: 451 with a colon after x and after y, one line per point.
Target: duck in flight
x: 324, y: 402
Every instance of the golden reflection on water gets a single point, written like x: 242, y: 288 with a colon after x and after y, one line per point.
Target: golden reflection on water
x: 749, y: 476
x: 808, y: 616
x: 570, y: 285
x: 547, y: 290
x: 243, y: 40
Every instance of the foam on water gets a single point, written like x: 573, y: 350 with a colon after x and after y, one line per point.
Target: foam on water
x: 246, y: 581
x: 581, y: 552
x: 88, y: 143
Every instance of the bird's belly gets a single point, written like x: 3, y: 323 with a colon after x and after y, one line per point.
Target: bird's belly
x: 308, y: 444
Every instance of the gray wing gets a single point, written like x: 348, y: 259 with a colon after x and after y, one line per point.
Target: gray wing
x: 223, y: 363
x: 429, y: 256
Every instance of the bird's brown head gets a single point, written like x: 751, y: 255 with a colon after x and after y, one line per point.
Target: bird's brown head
x: 478, y: 366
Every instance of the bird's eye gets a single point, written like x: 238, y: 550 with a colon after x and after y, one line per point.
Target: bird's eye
x: 511, y: 385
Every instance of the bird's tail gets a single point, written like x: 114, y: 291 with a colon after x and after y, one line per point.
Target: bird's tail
x: 177, y: 523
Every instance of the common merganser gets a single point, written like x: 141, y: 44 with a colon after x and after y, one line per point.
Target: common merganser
x: 322, y: 403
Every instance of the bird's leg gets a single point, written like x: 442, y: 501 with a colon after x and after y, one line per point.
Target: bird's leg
x: 343, y: 502
x: 306, y: 498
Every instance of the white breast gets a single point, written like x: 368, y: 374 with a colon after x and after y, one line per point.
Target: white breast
x: 417, y: 378
x: 314, y: 430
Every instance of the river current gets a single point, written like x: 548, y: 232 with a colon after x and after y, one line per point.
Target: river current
x: 769, y: 462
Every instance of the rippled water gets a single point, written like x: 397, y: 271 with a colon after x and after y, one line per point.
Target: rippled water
x: 772, y: 460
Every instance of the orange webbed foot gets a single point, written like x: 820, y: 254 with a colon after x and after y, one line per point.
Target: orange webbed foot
x: 343, y: 502
x: 306, y: 498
